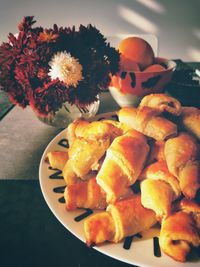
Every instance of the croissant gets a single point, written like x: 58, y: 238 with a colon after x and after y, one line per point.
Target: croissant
x: 159, y: 189
x: 122, y: 165
x: 84, y: 156
x: 162, y: 102
x: 181, y: 155
x: 156, y: 151
x: 147, y: 121
x: 76, y: 129
x: 178, y: 233
x: 124, y: 218
x: 94, y: 130
x: 57, y: 159
x: 190, y: 120
x: 122, y: 128
x: 86, y: 194
x: 191, y: 207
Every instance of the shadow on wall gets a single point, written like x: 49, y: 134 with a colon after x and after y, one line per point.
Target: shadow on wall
x: 175, y: 23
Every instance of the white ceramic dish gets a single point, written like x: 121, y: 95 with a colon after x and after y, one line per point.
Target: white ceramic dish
x: 128, y: 87
x: 140, y: 253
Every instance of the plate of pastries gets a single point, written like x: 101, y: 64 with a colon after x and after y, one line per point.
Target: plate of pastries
x: 128, y: 182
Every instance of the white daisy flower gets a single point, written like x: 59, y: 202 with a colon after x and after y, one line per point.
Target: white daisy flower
x: 66, y: 68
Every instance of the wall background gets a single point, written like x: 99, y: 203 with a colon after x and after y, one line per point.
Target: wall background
x: 176, y: 23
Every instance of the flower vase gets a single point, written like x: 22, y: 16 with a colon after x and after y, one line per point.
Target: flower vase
x: 68, y: 113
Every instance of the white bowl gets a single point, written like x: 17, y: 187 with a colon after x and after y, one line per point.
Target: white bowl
x: 128, y: 87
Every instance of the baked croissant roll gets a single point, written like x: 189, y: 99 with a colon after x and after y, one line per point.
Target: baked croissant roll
x: 57, y: 159
x: 122, y: 165
x: 156, y: 152
x: 76, y: 129
x: 162, y: 102
x: 85, y: 194
x: 123, y: 128
x: 190, y: 120
x: 159, y: 189
x: 84, y: 156
x: 124, y: 218
x: 181, y: 155
x: 178, y: 234
x: 94, y: 130
x: 147, y: 121
x: 191, y: 207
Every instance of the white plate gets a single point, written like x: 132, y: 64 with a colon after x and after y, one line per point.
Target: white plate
x: 141, y: 250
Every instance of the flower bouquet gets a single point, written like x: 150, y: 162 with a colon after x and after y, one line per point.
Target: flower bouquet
x: 45, y: 68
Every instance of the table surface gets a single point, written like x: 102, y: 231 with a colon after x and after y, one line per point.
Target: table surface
x: 30, y: 234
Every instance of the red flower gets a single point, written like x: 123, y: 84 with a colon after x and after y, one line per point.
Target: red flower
x: 49, y: 98
x: 26, y: 23
x: 42, y: 73
x: 47, y: 36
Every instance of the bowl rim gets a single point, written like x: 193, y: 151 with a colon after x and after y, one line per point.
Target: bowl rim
x: 172, y: 66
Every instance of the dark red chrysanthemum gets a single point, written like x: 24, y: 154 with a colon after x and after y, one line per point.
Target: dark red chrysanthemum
x: 49, y: 98
x: 47, y: 36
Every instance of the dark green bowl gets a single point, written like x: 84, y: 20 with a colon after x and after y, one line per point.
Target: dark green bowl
x: 185, y: 88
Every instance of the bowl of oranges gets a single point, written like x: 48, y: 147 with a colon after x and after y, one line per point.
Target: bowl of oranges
x: 140, y: 73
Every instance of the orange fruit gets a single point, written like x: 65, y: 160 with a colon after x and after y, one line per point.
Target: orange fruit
x: 128, y: 65
x: 138, y: 50
x: 155, y: 68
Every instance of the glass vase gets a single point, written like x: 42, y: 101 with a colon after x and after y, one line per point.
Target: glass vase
x: 68, y: 113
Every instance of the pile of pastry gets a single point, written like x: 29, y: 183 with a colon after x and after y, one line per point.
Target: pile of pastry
x: 155, y: 146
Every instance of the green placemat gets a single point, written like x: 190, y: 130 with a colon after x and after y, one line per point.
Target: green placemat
x: 30, y: 235
x: 180, y: 65
x: 184, y: 84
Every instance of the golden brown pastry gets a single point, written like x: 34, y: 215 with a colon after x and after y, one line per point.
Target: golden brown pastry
x: 148, y: 121
x: 162, y: 102
x: 181, y: 155
x: 122, y: 165
x: 188, y: 205
x: 122, y: 128
x: 76, y: 129
x: 190, y: 120
x: 94, y: 130
x: 124, y: 218
x: 191, y: 207
x: 159, y: 189
x: 101, y: 129
x: 57, y: 159
x: 98, y: 228
x: 88, y: 143
x: 178, y: 234
x: 86, y: 194
x: 84, y: 156
x: 156, y: 152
